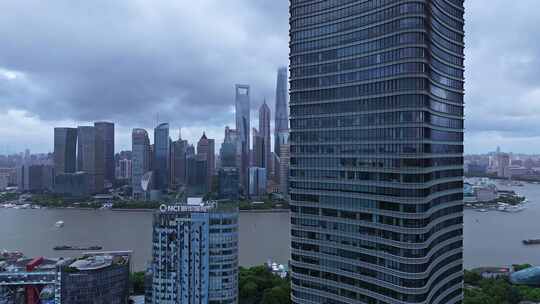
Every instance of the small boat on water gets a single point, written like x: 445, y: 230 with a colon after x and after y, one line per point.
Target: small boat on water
x: 531, y: 242
x: 59, y: 224
x: 64, y: 247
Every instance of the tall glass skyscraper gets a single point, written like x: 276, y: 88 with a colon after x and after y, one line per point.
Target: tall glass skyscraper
x: 65, y: 150
x: 281, y: 123
x: 89, y: 157
x: 376, y: 178
x: 264, y: 131
x: 105, y: 133
x: 242, y: 111
x: 140, y: 161
x: 161, y: 164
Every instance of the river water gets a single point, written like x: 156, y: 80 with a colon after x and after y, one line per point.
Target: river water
x: 491, y: 239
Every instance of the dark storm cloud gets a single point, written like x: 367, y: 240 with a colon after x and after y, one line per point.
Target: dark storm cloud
x: 128, y: 60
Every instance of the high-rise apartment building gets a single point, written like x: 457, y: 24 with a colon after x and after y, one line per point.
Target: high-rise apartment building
x: 242, y: 112
x: 376, y: 180
x: 195, y: 253
x: 140, y: 161
x: 65, y: 150
x: 161, y: 163
x: 105, y: 133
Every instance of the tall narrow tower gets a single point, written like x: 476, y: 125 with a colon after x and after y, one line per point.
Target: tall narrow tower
x: 281, y: 127
x: 264, y: 132
x: 376, y: 151
x: 161, y: 162
x: 243, y: 128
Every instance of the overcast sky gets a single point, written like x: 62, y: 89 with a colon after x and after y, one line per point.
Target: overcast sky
x: 65, y: 63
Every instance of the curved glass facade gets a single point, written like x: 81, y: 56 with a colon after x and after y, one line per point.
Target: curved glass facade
x: 376, y: 179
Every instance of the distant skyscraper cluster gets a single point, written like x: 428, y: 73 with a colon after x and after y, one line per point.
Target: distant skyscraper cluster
x: 85, y: 163
x: 170, y: 165
x: 83, y: 159
x: 255, y: 156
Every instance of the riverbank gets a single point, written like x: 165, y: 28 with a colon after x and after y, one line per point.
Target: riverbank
x: 33, y: 207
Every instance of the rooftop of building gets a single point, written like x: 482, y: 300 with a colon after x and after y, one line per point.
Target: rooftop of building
x: 199, y: 204
x: 24, y: 264
x: 529, y: 276
x: 96, y: 262
x: 88, y: 261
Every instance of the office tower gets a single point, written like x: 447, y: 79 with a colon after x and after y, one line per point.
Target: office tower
x: 179, y: 149
x: 243, y: 128
x: 206, y: 149
x: 257, y: 182
x: 281, y: 123
x: 89, y: 151
x: 140, y: 161
x: 227, y: 153
x: 376, y: 181
x: 65, y: 150
x: 197, y: 174
x: 35, y: 178
x: 284, y: 165
x: 190, y: 150
x: 503, y: 165
x: 264, y: 132
x: 229, y: 183
x: 195, y: 253
x: 258, y: 149
x: 229, y: 175
x: 125, y: 169
x: 161, y: 164
x: 105, y: 133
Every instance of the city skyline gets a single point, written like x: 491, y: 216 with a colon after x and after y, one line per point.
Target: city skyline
x: 507, y: 117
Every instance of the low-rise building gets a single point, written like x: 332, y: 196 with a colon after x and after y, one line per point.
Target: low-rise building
x: 92, y: 278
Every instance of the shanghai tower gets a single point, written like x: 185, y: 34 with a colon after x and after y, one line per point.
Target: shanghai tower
x: 376, y: 151
x: 281, y: 125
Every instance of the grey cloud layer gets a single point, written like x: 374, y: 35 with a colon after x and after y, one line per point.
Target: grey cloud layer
x: 127, y: 60
x: 503, y: 67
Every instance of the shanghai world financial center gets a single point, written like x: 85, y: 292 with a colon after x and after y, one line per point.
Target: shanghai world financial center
x: 376, y: 180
